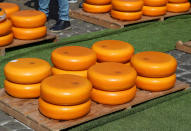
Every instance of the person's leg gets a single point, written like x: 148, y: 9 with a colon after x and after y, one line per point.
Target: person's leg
x: 81, y: 4
x: 44, y: 6
x: 63, y: 10
x: 64, y: 21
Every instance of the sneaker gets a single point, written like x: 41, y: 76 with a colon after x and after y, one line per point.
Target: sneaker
x: 61, y: 25
x: 72, y: 1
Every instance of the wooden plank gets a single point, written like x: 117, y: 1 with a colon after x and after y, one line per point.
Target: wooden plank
x: 26, y: 110
x: 185, y: 47
x: 107, y: 21
x: 17, y: 42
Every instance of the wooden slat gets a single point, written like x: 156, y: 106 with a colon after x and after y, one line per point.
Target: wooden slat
x: 107, y: 21
x: 26, y: 110
x: 17, y: 42
x: 185, y: 47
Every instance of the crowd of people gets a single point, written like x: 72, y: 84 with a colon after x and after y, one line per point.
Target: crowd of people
x: 63, y: 22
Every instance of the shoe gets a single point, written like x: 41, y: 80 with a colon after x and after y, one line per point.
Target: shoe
x: 72, y: 1
x: 81, y: 5
x: 61, y: 25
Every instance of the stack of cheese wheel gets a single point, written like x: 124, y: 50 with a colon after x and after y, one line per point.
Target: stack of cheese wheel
x: 28, y: 24
x: 114, y: 83
x: 127, y: 9
x: 178, y: 6
x: 24, y: 75
x: 65, y: 97
x: 113, y: 51
x: 6, y: 36
x: 155, y: 7
x: 9, y: 8
x: 156, y: 70
x: 72, y: 60
x: 97, y: 6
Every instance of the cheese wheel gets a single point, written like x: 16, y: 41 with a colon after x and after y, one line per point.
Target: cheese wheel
x: 154, y: 64
x: 27, y: 70
x: 156, y: 84
x: 65, y: 89
x: 98, y: 2
x: 5, y: 27
x: 178, y: 7
x: 154, y: 11
x: 57, y: 71
x: 96, y: 8
x: 29, y: 33
x: 113, y: 98
x: 63, y: 112
x: 28, y: 19
x: 111, y: 76
x: 127, y: 5
x: 73, y: 58
x: 22, y: 91
x: 9, y: 8
x: 126, y: 15
x: 5, y: 40
x: 113, y: 50
x: 155, y: 3
x: 2, y: 15
x: 177, y: 1
x: 128, y: 63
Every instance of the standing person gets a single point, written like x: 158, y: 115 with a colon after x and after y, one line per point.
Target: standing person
x: 81, y: 4
x: 63, y: 23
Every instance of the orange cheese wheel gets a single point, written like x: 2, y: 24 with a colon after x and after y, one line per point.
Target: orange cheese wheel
x: 64, y: 112
x: 5, y: 27
x: 178, y: 7
x: 177, y: 1
x: 27, y: 70
x: 155, y: 84
x: 9, y: 8
x: 28, y: 19
x: 65, y: 89
x: 154, y: 11
x: 73, y: 58
x: 96, y: 8
x: 113, y: 98
x: 29, y: 33
x: 154, y: 64
x: 5, y: 40
x: 22, y: 91
x: 126, y: 15
x: 127, y: 5
x: 111, y: 76
x: 98, y: 2
x: 113, y: 50
x: 2, y: 15
x: 155, y: 3
x: 57, y: 71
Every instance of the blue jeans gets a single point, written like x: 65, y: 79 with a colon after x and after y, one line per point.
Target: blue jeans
x: 63, y: 8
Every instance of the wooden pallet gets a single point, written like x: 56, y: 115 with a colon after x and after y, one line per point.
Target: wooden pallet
x: 17, y: 42
x: 107, y: 21
x: 26, y: 110
x: 186, y: 47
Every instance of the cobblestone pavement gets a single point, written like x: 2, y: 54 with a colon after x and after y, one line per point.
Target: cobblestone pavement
x: 7, y: 123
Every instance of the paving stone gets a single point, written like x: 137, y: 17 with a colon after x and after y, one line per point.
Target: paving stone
x: 185, y: 59
x: 186, y: 67
x: 179, y: 71
x: 15, y: 125
x: 187, y: 77
x: 25, y: 130
x: 3, y: 128
x: 4, y: 118
x: 176, y: 53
